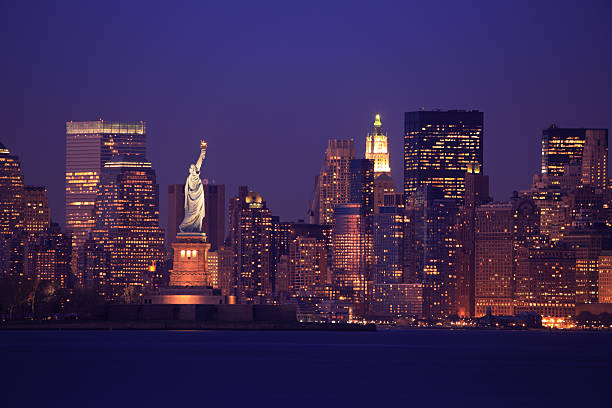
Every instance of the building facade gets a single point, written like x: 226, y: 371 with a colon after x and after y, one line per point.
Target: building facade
x: 438, y: 148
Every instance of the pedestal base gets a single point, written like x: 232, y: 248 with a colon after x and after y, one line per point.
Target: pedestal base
x: 190, y: 260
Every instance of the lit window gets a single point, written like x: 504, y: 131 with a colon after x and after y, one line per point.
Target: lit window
x: 182, y: 253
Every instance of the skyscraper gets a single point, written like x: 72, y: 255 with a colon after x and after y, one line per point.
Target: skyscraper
x: 388, y: 236
x: 251, y: 237
x: 11, y: 193
x: 377, y: 148
x: 334, y: 186
x: 36, y: 212
x: 11, y: 213
x: 438, y: 147
x: 349, y: 259
x: 213, y: 223
x: 127, y: 222
x: 476, y: 193
x: 89, y: 145
x: 587, y: 149
x: 361, y: 185
x: 176, y: 211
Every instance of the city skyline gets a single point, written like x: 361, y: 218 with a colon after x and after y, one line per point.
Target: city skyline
x: 502, y: 70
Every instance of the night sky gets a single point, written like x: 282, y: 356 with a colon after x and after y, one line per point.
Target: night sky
x: 268, y: 83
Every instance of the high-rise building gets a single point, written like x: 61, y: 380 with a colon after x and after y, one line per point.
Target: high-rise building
x: 440, y: 242
x: 48, y: 256
x: 476, y: 193
x: 11, y: 193
x: 89, y: 146
x: 377, y: 148
x: 361, y: 185
x: 604, y: 282
x: 438, y: 148
x: 349, y: 268
x: 251, y: 238
x: 585, y: 148
x: 127, y: 222
x: 36, y: 212
x: 388, y: 237
x: 501, y: 231
x: 383, y: 186
x: 213, y: 223
x: 11, y: 214
x: 587, y: 244
x: 334, y: 185
x: 395, y: 300
x: 307, y: 264
x: 176, y: 211
x: 546, y: 281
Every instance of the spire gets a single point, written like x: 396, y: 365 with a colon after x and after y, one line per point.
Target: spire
x: 377, y: 122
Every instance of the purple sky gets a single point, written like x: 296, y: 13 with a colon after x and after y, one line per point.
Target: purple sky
x: 267, y: 83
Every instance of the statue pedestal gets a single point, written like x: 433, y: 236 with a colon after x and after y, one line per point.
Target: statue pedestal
x: 190, y: 260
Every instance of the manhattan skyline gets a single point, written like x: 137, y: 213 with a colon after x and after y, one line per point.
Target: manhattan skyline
x: 269, y: 85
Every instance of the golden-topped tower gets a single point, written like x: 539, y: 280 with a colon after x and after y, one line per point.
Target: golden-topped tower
x: 377, y: 148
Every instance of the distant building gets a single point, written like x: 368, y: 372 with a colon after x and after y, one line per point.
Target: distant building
x: 127, y: 222
x: 397, y: 300
x: 48, y: 256
x: 349, y: 265
x: 36, y: 212
x: 377, y: 149
x: 604, y: 282
x: 501, y: 230
x: 213, y: 223
x: 11, y: 193
x: 438, y: 148
x: 334, y: 186
x: 585, y: 148
x: 11, y: 214
x: 89, y: 146
x: 476, y: 194
x: 388, y: 237
x: 176, y: 211
x: 251, y: 237
x: 546, y: 281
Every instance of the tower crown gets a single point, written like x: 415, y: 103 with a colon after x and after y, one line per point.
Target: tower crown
x: 377, y: 121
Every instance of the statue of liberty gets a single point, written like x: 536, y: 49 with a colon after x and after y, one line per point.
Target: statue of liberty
x: 194, y: 197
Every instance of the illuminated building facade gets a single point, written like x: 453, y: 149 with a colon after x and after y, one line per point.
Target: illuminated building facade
x: 438, y: 148
x: 388, y: 237
x: 333, y: 182
x: 89, y: 145
x: 546, y: 281
x: 377, y: 148
x: 494, y: 259
x: 395, y: 300
x: 383, y: 185
x: 48, y: 256
x: 11, y: 214
x: 502, y: 230
x: 349, y: 258
x: 36, y: 212
x: 307, y: 264
x: 587, y: 149
x: 220, y: 264
x: 476, y: 194
x: 440, y: 242
x: 604, y: 282
x: 11, y: 193
x: 251, y: 238
x: 587, y: 245
x: 127, y: 223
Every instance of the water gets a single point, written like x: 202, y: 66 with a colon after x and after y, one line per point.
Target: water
x: 393, y: 368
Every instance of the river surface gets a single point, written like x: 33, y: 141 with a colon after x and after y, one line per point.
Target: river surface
x: 387, y: 368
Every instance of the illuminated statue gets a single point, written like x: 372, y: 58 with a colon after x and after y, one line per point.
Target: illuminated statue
x: 194, y: 197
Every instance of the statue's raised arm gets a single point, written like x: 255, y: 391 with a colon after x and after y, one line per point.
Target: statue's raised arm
x: 194, y: 197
